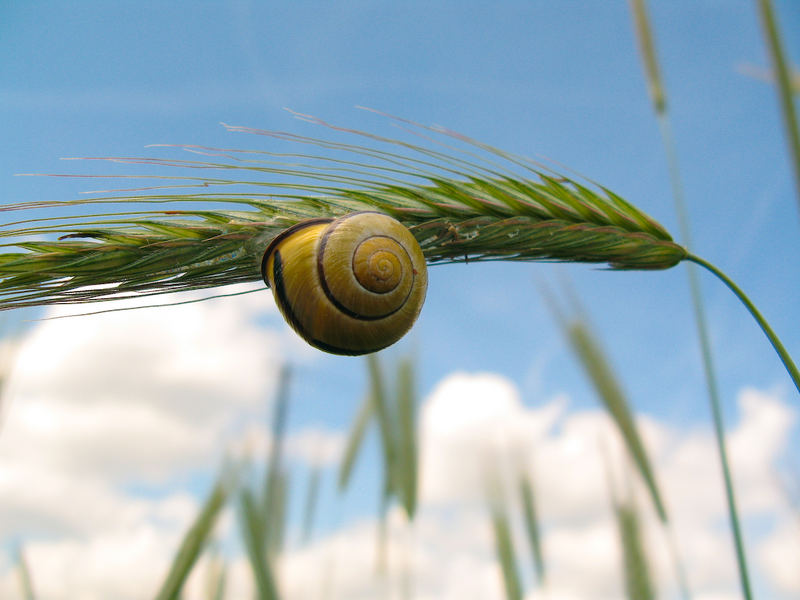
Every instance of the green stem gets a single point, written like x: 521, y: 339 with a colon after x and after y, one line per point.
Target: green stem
x: 708, y: 363
x: 791, y: 368
x: 719, y: 427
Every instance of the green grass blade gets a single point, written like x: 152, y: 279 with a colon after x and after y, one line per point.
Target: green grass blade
x: 354, y: 441
x: 599, y: 371
x: 783, y: 77
x: 216, y: 580
x: 504, y: 549
x: 198, y: 536
x: 218, y: 591
x: 647, y: 50
x: 635, y: 565
x: 312, y: 499
x: 528, y: 501
x: 638, y: 582
x: 406, y: 436
x: 251, y: 527
x: 24, y: 572
x: 382, y: 409
x: 274, y: 488
x: 275, y: 531
x: 717, y: 413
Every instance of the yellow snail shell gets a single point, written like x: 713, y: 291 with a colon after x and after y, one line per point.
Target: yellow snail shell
x: 351, y: 285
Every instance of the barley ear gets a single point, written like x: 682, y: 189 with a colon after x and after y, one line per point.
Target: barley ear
x: 468, y: 202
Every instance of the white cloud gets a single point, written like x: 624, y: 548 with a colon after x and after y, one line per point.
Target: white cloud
x: 472, y: 425
x: 470, y: 421
x: 113, y: 441
x: 438, y: 557
x: 779, y: 555
x: 181, y: 359
x: 138, y: 396
x: 144, y: 396
x: 97, y: 402
x: 315, y: 446
x: 123, y: 561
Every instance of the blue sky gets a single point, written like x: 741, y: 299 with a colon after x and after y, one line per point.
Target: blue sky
x: 560, y: 80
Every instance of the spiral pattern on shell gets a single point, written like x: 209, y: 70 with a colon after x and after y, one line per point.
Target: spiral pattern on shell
x: 351, y: 285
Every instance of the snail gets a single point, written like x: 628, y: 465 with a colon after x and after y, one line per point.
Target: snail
x: 351, y: 285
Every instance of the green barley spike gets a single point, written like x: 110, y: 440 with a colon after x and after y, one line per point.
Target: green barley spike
x: 479, y: 204
x: 468, y: 202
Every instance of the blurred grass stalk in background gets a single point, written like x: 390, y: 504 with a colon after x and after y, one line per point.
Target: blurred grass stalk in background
x: 276, y: 477
x: 216, y: 576
x: 199, y: 535
x: 395, y: 417
x: 504, y: 543
x: 783, y: 78
x: 261, y: 517
x: 532, y: 527
x: 312, y: 500
x: 658, y: 97
x: 25, y: 580
x: 635, y: 563
x: 598, y: 369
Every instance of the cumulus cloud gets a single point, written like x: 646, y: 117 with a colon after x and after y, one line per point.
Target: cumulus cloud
x: 107, y: 402
x: 437, y: 557
x: 472, y: 425
x: 315, y: 446
x: 470, y: 421
x: 448, y: 550
x: 97, y: 406
x: 181, y: 359
x: 778, y: 555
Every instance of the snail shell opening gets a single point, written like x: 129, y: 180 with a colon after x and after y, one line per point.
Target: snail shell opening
x: 351, y: 285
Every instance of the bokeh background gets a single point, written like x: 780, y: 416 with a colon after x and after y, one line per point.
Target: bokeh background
x: 115, y: 425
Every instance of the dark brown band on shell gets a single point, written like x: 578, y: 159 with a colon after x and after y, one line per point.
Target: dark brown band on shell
x: 283, y: 302
x: 282, y: 236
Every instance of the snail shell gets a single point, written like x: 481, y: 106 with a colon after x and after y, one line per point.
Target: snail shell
x: 351, y: 285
